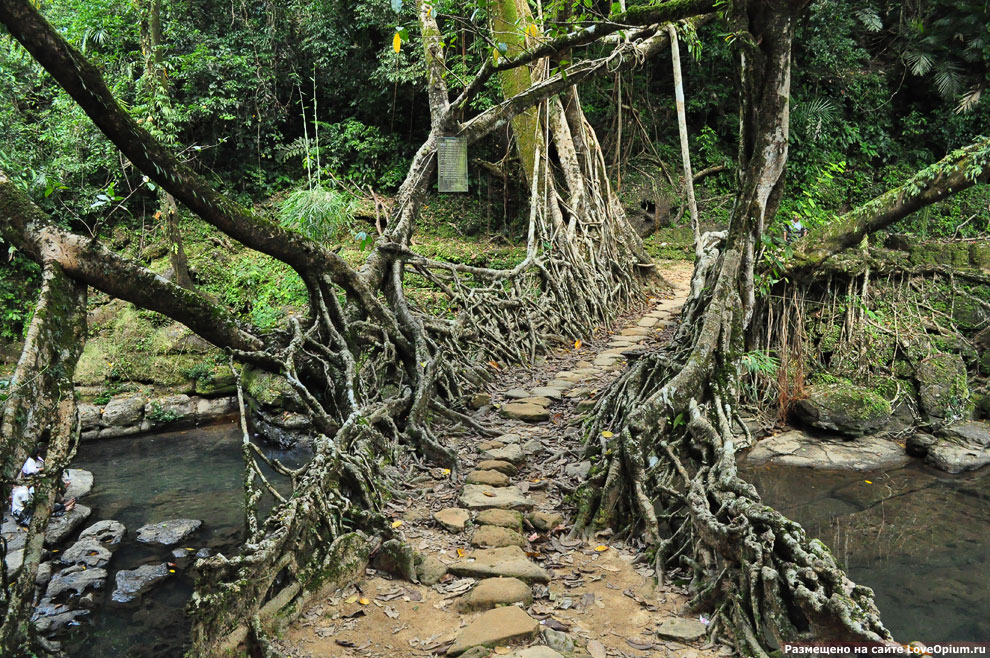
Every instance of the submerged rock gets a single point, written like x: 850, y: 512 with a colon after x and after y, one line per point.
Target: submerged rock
x: 131, y: 584
x: 843, y: 408
x: 167, y: 533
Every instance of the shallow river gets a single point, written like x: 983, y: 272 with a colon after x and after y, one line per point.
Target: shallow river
x: 921, y: 539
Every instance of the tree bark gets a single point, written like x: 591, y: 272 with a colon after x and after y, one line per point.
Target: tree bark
x: 675, y: 52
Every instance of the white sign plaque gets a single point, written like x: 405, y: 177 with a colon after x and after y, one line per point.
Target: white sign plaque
x: 452, y: 175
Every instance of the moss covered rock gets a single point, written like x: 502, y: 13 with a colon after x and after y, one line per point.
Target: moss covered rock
x: 272, y: 391
x: 943, y: 394
x: 843, y: 407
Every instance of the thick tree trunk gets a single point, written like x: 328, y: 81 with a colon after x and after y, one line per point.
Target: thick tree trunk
x: 670, y: 467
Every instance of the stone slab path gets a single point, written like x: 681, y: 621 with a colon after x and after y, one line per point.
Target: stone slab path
x: 497, y: 574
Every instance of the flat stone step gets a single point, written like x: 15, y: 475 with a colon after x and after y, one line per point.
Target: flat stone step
x: 538, y: 400
x: 500, y: 517
x: 527, y: 411
x: 501, y: 626
x: 548, y: 392
x: 480, y: 496
x: 517, y: 393
x: 511, y: 453
x: 605, y: 360
x: 493, y: 592
x: 498, y: 465
x: 646, y: 321
x: 493, y: 536
x: 508, y: 562
x: 491, y: 478
x: 452, y: 518
x: 635, y: 331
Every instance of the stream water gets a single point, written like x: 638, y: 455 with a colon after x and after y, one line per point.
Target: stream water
x: 194, y: 474
x: 918, y: 537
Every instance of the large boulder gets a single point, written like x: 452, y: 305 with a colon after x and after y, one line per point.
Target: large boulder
x: 167, y: 533
x: 843, y: 407
x: 942, y: 391
x: 123, y: 412
x: 131, y: 584
x: 109, y: 532
x: 60, y: 527
x: 75, y: 581
x: 962, y: 447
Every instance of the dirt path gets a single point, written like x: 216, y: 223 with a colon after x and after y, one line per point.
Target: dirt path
x: 497, y: 574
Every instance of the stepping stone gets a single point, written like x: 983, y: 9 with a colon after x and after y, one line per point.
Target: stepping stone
x: 132, y: 584
x: 80, y: 483
x: 605, y: 360
x: 544, y: 521
x: 109, y: 533
x: 646, y: 321
x: 430, y: 570
x: 677, y: 628
x: 501, y: 626
x: 582, y: 364
x: 548, y: 392
x: 167, y: 533
x: 507, y: 439
x: 533, y: 447
x: 587, y: 372
x: 490, y: 445
x: 569, y: 376
x: 586, y: 405
x: 577, y: 393
x: 517, y: 393
x: 500, y: 517
x: 491, y: 478
x: 538, y: 651
x: 621, y: 343
x: 615, y: 351
x: 452, y: 518
x: 493, y: 592
x: 493, y: 536
x: 497, y: 465
x: 635, y: 331
x: 537, y: 400
x: 529, y: 412
x: 510, y: 453
x: 508, y: 562
x: 561, y: 385
x: 480, y: 496
x: 88, y: 552
x: 60, y: 527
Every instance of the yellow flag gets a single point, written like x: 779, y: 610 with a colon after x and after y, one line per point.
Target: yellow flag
x: 396, y: 42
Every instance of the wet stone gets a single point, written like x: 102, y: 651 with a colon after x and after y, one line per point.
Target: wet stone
x: 167, y: 533
x: 508, y: 562
x: 133, y: 583
x: 480, y: 496
x: 452, y: 518
x: 88, y: 552
x: 493, y: 592
x: 108, y: 532
x: 491, y: 478
x: 493, y: 536
x: 500, y: 517
x: 527, y: 411
x: 497, y: 465
x: 501, y: 626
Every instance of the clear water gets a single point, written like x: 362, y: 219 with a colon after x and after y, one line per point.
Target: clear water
x: 920, y: 538
x: 193, y: 474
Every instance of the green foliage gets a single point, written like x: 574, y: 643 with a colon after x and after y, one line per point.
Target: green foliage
x: 320, y: 213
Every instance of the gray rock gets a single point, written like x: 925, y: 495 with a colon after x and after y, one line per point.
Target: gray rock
x: 89, y: 552
x: 13, y: 534
x: 544, y: 521
x: 973, y: 432
x: 533, y: 447
x: 44, y: 575
x: 479, y: 400
x: 452, y: 518
x: 954, y: 456
x: 510, y: 453
x: 537, y: 651
x: 578, y: 471
x: 547, y: 392
x: 480, y: 496
x: 430, y: 570
x: 493, y: 536
x: 942, y: 391
x: 167, y: 533
x: 208, y: 409
x: 843, y: 408
x: 13, y: 560
x: 123, y: 412
x: 918, y: 444
x: 508, y: 439
x: 108, y: 533
x: 51, y: 619
x: 130, y: 585
x: 517, y: 393
x: 89, y: 416
x: 500, y: 517
x: 60, y: 527
x: 677, y: 628
x: 170, y: 409
x: 795, y: 448
x: 558, y: 641
x: 75, y: 581
x: 80, y: 483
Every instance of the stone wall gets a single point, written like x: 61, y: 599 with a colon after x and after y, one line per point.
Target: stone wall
x: 129, y: 414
